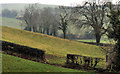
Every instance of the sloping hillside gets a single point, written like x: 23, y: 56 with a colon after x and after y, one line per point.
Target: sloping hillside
x: 52, y: 45
x: 56, y: 48
x: 15, y: 64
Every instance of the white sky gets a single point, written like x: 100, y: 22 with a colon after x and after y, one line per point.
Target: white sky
x: 52, y: 2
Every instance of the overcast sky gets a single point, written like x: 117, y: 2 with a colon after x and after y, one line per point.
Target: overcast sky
x: 52, y: 2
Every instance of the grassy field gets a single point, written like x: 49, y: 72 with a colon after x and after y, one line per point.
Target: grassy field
x: 15, y: 23
x: 49, y: 43
x: 93, y: 40
x: 11, y: 22
x: 56, y: 48
x: 15, y: 64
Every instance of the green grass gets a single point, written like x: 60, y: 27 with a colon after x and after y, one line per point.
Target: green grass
x: 107, y: 41
x: 56, y: 48
x: 52, y: 45
x: 15, y: 64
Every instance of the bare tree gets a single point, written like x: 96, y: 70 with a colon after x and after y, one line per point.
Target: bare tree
x: 49, y: 21
x: 64, y: 16
x: 9, y: 13
x: 54, y: 23
x: 41, y: 20
x: 92, y: 14
x: 31, y: 15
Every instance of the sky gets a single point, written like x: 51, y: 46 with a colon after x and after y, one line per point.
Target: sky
x: 51, y: 2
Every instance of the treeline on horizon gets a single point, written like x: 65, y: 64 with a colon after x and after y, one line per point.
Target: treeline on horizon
x: 51, y: 21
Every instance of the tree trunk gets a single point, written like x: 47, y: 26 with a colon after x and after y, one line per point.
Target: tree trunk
x: 47, y: 31
x: 54, y: 32
x: 34, y: 29
x: 64, y: 34
x: 51, y: 32
x: 40, y: 29
x: 44, y: 30
x: 98, y: 37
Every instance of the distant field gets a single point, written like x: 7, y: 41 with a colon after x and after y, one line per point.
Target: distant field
x: 14, y: 6
x: 56, y: 48
x: 11, y: 22
x: 15, y: 23
x: 15, y: 64
x: 93, y: 40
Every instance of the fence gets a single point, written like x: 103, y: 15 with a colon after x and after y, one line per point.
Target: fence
x: 82, y: 60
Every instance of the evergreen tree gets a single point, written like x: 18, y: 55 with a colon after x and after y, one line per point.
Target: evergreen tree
x: 114, y: 33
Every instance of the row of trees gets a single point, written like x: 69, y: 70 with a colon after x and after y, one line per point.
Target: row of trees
x: 47, y: 21
x: 50, y: 20
x: 9, y: 13
x: 100, y: 16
